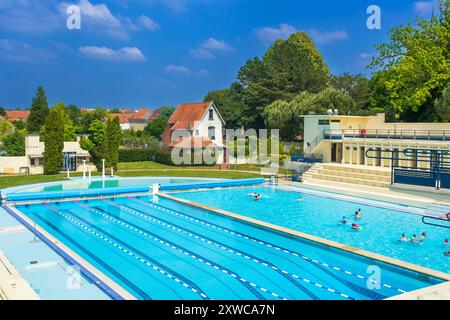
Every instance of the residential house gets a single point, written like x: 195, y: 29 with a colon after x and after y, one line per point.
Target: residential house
x: 196, y: 125
x: 15, y: 115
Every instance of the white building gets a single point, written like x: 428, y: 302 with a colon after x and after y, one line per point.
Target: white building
x: 196, y: 125
x: 33, y: 161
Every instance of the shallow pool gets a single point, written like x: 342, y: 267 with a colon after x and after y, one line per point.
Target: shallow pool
x: 319, y: 216
x: 99, y: 183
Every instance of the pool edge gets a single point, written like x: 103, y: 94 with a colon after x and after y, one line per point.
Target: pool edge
x: 103, y: 282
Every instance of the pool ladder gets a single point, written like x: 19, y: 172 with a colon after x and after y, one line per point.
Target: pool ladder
x: 273, y: 180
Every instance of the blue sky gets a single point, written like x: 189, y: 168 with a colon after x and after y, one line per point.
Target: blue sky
x: 150, y: 53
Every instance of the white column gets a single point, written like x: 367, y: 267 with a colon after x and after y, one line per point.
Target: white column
x: 112, y: 171
x: 84, y: 169
x: 358, y: 156
x: 103, y: 169
x: 90, y: 173
x: 350, y: 159
x: 68, y: 174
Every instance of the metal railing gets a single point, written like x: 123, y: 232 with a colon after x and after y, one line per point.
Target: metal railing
x: 431, y: 135
x: 313, y: 144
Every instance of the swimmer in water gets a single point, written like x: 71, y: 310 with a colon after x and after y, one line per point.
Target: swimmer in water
x: 415, y: 239
x: 358, y: 214
x: 446, y: 242
x: 403, y: 238
x: 423, y: 236
x: 257, y: 196
x: 356, y: 226
x: 343, y: 221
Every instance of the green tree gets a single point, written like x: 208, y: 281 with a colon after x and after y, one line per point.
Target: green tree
x: 69, y: 129
x: 19, y: 125
x: 53, y: 137
x: 414, y: 67
x: 167, y: 111
x: 98, y: 113
x: 113, y: 140
x: 38, y: 112
x: 287, y: 68
x: 356, y: 86
x: 14, y: 144
x: 156, y: 127
x: 286, y: 116
x: 5, y: 128
x: 2, y: 112
x: 96, y: 144
x: 442, y: 104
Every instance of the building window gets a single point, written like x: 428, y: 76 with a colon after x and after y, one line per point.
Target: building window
x: 32, y: 162
x: 324, y: 122
x: 212, y: 133
x: 211, y: 114
x: 197, y: 133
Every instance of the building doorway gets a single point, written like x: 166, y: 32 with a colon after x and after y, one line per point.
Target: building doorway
x: 336, y: 152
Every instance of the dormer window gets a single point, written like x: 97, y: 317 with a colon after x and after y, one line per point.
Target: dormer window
x: 211, y: 114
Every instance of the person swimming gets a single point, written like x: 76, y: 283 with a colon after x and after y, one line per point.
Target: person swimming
x: 415, y: 239
x: 356, y: 226
x: 445, y: 242
x: 343, y: 220
x: 358, y: 214
x: 403, y: 238
x: 423, y: 236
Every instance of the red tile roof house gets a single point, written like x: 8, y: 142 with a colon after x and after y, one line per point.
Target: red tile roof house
x: 139, y: 119
x: 196, y: 125
x: 14, y: 115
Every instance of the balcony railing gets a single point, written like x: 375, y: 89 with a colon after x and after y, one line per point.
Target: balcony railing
x: 430, y: 135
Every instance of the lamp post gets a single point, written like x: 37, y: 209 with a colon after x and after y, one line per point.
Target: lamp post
x: 84, y: 169
x: 103, y: 169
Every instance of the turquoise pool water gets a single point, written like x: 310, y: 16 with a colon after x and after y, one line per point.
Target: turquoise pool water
x: 319, y: 216
x: 98, y: 183
x: 161, y: 249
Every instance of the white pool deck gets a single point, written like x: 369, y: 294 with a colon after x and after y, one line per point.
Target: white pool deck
x: 14, y: 286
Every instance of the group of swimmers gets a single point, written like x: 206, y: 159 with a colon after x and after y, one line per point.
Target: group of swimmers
x: 255, y: 196
x: 354, y: 225
x: 414, y: 239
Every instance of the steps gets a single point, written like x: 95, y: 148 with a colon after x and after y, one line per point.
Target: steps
x: 437, y: 210
x: 352, y: 174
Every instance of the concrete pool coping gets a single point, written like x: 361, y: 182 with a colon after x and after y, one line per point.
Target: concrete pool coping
x: 12, y: 285
x: 102, y: 281
x: 367, y: 254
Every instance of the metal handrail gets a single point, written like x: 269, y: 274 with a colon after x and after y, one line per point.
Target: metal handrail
x: 436, y: 218
x: 443, y: 135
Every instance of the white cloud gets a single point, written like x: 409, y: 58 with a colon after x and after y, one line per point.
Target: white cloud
x: 104, y: 53
x: 206, y: 49
x: 148, y: 23
x: 365, y: 56
x: 30, y: 16
x: 268, y: 35
x: 324, y: 37
x: 203, y: 73
x: 16, y: 51
x: 424, y: 7
x: 177, y: 69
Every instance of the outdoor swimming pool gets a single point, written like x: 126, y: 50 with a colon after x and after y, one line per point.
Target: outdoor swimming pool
x: 162, y: 249
x: 98, y: 183
x: 319, y: 216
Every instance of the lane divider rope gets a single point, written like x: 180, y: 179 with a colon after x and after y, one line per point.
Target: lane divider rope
x: 171, y: 245
x: 278, y: 248
x: 128, y: 252
x: 266, y: 264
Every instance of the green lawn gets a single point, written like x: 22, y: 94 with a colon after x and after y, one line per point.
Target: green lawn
x: 190, y: 173
x: 7, y: 181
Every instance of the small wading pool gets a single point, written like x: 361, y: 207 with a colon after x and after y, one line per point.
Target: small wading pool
x: 162, y: 249
x: 98, y: 183
x: 319, y: 215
